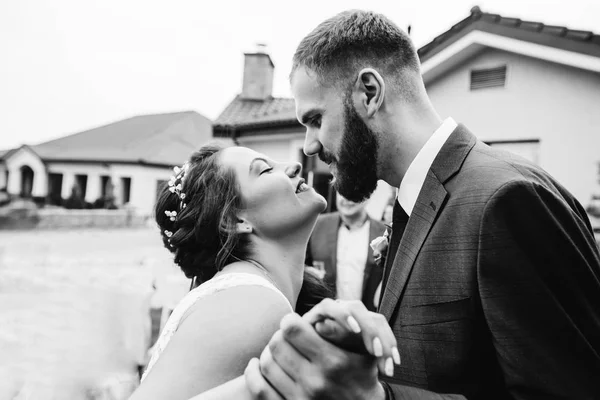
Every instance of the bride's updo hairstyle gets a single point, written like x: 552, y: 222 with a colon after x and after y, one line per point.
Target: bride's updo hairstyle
x: 196, y: 213
x: 202, y: 233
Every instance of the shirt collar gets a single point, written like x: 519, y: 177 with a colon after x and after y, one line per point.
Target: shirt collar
x: 413, y: 180
x: 365, y: 223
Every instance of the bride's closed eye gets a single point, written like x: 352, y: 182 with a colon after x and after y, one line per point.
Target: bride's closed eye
x: 264, y: 171
x: 260, y: 169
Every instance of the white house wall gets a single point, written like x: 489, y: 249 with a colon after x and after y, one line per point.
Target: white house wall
x: 541, y: 100
x: 284, y: 148
x: 25, y: 157
x: 143, y: 181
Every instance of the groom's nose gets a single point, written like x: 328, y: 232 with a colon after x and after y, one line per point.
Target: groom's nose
x: 312, y: 146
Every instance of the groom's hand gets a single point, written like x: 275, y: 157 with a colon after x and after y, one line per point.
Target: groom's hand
x: 300, y: 364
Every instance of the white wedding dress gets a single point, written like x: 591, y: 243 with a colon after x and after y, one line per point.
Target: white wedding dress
x: 210, y: 287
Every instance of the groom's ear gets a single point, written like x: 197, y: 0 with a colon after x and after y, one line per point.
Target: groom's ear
x: 369, y: 92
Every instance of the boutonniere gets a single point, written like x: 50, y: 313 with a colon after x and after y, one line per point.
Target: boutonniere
x: 380, y: 245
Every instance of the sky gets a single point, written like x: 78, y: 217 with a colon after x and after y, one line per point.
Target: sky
x: 71, y: 65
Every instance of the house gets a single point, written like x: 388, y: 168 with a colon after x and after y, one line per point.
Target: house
x: 128, y: 159
x: 268, y: 124
x: 523, y: 86
x: 526, y: 87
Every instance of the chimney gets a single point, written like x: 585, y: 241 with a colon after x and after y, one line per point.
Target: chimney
x: 258, y: 74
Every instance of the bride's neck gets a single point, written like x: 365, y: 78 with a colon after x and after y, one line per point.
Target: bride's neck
x: 284, y: 262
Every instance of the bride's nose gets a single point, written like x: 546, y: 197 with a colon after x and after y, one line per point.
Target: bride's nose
x: 293, y: 169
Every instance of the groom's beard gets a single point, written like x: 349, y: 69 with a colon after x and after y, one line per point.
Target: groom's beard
x: 356, y: 164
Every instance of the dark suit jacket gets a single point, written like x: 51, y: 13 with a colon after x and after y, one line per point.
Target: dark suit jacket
x: 323, y: 247
x: 494, y: 292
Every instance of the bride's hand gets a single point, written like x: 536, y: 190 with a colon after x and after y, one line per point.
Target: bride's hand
x: 349, y: 325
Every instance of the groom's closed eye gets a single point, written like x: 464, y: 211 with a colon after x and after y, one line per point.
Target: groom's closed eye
x: 311, y: 118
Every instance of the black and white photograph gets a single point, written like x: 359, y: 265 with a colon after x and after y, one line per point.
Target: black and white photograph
x: 318, y: 200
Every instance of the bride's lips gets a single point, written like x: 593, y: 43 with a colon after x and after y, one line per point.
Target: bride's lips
x: 302, y: 186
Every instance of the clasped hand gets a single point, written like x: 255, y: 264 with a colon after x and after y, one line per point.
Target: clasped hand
x: 335, y: 351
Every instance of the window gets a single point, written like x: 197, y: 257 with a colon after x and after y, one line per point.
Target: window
x: 487, y: 78
x: 81, y: 182
x: 528, y: 148
x: 105, y: 186
x: 125, y: 190
x: 55, y: 182
x: 27, y: 176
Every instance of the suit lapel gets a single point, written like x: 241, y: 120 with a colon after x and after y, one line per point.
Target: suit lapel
x: 429, y: 204
x: 427, y: 208
x: 331, y: 237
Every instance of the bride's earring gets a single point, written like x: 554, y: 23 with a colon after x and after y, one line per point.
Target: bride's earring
x: 243, y: 227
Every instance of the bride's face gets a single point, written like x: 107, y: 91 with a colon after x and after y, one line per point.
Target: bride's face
x: 276, y: 202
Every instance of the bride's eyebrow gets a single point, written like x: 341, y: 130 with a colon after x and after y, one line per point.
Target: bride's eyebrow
x: 256, y: 160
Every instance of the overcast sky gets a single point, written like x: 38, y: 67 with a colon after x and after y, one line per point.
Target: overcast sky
x: 70, y: 65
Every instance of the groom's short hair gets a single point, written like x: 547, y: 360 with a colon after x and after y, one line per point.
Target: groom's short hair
x: 342, y: 45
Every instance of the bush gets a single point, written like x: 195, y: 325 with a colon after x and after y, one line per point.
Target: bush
x: 105, y: 202
x: 39, y: 201
x: 4, y: 197
x: 75, y: 200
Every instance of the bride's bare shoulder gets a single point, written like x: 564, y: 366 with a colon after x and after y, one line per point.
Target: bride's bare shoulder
x: 242, y: 305
x: 214, y: 343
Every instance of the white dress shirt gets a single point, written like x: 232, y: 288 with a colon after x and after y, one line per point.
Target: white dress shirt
x: 413, y: 180
x: 352, y: 253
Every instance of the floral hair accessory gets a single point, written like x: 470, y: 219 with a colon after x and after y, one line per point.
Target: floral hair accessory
x: 176, y: 181
x: 171, y: 214
x: 168, y: 233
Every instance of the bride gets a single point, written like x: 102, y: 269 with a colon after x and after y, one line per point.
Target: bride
x: 238, y: 224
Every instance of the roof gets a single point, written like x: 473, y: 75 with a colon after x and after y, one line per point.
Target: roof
x: 256, y: 113
x: 161, y: 139
x: 560, y: 37
x: 4, y: 152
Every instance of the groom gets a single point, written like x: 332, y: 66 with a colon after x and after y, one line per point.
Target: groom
x: 492, y: 279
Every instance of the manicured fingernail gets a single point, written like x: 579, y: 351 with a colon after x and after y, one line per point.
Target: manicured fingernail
x: 389, y: 367
x: 377, y: 347
x: 353, y: 324
x: 396, y: 355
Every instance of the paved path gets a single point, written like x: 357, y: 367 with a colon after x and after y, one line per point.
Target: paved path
x: 74, y: 310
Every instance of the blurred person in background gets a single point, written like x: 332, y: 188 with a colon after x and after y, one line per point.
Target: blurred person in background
x: 340, y: 246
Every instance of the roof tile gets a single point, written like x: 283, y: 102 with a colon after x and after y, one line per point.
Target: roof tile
x: 249, y: 112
